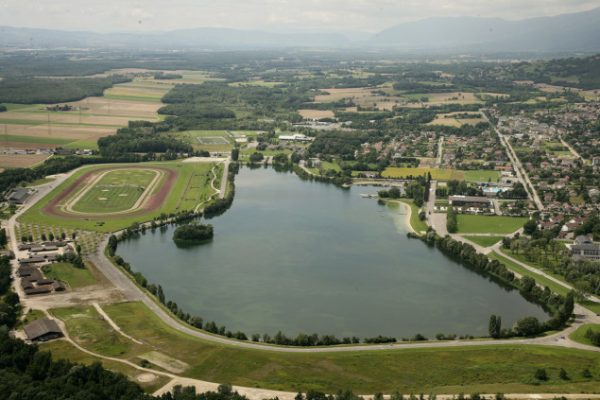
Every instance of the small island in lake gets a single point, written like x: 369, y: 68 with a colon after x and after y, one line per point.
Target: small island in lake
x: 192, y: 234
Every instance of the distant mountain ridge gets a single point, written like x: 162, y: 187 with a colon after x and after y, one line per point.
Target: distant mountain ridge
x: 567, y: 32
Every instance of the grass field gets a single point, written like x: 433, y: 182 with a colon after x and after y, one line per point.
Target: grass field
x: 489, y: 224
x: 325, y: 166
x: 209, y: 140
x: 116, y: 191
x: 436, y: 173
x: 542, y: 280
x: 484, y: 241
x: 442, y: 174
x: 188, y: 190
x: 87, y: 327
x: 33, y: 126
x: 71, y: 275
x: 482, y: 175
x: 61, y: 349
x: 487, y: 369
x: 579, y: 334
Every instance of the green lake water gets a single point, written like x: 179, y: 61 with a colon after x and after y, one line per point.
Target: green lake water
x: 301, y: 256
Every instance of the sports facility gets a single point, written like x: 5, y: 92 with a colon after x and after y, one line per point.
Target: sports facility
x: 213, y: 140
x: 112, y: 197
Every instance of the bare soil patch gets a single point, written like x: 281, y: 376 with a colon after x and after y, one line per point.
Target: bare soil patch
x: 21, y: 160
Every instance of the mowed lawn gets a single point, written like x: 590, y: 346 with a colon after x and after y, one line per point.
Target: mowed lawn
x: 70, y: 274
x: 441, y: 174
x: 117, y: 190
x: 484, y: 241
x: 542, y: 280
x: 180, y: 198
x: 488, y: 369
x: 579, y: 334
x: 493, y: 224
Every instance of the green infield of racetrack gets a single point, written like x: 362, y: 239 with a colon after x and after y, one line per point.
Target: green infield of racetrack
x: 191, y: 188
x: 463, y: 369
x: 116, y: 191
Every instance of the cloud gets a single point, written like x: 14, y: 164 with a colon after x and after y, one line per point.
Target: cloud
x: 345, y: 15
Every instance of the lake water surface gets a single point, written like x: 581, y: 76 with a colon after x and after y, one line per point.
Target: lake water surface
x: 300, y: 256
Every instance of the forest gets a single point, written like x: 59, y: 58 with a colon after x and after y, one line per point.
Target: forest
x: 50, y: 90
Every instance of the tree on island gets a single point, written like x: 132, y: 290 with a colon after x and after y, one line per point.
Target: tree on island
x: 191, y: 234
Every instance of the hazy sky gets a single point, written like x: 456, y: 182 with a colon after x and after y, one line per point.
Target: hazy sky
x: 295, y: 15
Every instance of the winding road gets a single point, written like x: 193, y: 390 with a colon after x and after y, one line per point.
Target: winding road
x: 123, y: 288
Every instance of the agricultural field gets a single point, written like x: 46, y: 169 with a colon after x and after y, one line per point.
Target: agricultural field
x: 453, y: 119
x: 489, y: 224
x: 21, y: 160
x: 505, y: 369
x: 35, y: 127
x: 442, y: 174
x: 364, y: 97
x: 179, y: 187
x: 316, y: 114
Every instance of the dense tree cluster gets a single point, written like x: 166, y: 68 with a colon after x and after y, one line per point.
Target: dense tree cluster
x: 26, y: 373
x: 593, y: 336
x: 451, y: 220
x: 211, y: 105
x: 9, y: 301
x: 186, y: 235
x: 141, y: 138
x: 51, y: 90
x: 542, y: 248
x: 167, y: 76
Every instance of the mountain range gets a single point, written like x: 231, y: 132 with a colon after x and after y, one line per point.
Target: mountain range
x: 577, y: 32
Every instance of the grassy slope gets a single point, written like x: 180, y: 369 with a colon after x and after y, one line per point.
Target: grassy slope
x: 579, y: 334
x: 172, y: 204
x: 73, y: 276
x: 485, y: 241
x: 489, y: 224
x: 489, y: 368
x: 61, y: 349
x: 555, y: 287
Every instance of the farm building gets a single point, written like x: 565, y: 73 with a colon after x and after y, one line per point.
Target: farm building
x: 296, y: 137
x: 18, y: 196
x: 43, y: 330
x: 471, y: 204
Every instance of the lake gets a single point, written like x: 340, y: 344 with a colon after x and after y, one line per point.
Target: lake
x: 302, y: 256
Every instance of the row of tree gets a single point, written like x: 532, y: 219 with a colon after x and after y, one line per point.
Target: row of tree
x: 559, y: 307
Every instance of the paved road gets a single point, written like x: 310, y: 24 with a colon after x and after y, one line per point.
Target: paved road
x: 132, y: 292
x: 224, y: 178
x: 571, y: 149
x: 440, y: 151
x: 517, y: 166
x: 497, y: 247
